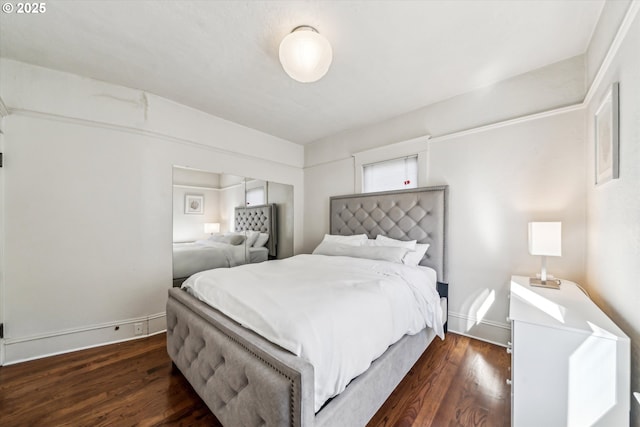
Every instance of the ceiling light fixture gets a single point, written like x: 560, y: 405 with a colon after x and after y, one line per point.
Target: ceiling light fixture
x: 305, y: 54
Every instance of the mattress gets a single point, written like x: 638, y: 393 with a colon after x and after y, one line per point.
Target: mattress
x: 190, y: 258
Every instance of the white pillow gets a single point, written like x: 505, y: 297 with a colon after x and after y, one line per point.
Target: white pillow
x: 414, y: 257
x: 380, y: 253
x: 371, y: 242
x: 355, y: 240
x: 262, y: 240
x: 387, y: 241
x: 251, y: 236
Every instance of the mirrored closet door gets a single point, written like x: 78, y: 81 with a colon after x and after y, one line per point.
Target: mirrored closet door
x: 222, y: 220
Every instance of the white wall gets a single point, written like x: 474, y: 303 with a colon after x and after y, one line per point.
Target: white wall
x: 498, y: 181
x: 321, y: 182
x: 553, y: 86
x: 613, y: 208
x: 88, y: 203
x: 230, y: 198
x: 190, y: 227
x: 500, y: 178
x: 195, y: 178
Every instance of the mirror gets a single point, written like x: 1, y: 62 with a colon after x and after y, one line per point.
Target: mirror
x: 222, y: 220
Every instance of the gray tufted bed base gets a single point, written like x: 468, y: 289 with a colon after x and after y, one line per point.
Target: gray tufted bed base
x: 247, y: 381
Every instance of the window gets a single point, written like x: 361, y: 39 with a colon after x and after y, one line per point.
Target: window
x: 255, y: 196
x: 393, y: 174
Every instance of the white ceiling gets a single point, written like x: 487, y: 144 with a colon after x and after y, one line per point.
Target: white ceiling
x: 390, y: 57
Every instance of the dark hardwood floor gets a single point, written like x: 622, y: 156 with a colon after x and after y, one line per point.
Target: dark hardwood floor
x: 456, y: 382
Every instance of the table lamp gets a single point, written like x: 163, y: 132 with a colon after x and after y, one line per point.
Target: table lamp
x: 545, y: 239
x: 211, y: 227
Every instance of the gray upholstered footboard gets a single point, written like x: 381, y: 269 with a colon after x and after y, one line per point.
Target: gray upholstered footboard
x: 244, y: 379
x: 247, y: 381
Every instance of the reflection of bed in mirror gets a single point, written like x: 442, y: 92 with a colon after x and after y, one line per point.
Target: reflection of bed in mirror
x: 245, y: 245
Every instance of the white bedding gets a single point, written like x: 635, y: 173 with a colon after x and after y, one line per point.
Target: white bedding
x: 339, y: 313
x: 189, y: 258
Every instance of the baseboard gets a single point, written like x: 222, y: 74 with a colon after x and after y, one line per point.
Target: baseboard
x: 18, y: 350
x: 484, y: 330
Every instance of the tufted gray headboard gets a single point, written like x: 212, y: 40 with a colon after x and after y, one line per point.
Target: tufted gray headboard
x: 416, y: 214
x: 260, y: 218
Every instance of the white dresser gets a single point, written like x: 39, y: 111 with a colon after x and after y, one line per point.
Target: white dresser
x: 570, y: 364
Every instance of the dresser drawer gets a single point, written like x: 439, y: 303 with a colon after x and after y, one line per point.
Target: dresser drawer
x: 569, y: 362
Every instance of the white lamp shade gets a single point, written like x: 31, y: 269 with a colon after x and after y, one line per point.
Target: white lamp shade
x: 305, y: 55
x: 545, y: 238
x: 211, y: 227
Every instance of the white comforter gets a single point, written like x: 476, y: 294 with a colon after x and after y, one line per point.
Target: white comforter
x: 339, y: 313
x: 189, y: 258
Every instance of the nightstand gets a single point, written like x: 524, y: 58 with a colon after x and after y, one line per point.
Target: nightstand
x: 570, y: 364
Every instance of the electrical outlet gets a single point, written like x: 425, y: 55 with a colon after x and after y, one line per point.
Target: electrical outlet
x: 137, y: 328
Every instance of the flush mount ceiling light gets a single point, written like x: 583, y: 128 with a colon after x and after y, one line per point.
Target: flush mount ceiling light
x: 305, y: 54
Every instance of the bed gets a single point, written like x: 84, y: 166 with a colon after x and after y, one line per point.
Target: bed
x: 190, y: 258
x: 245, y: 379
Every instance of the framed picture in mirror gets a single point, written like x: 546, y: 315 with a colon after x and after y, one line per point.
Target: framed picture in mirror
x: 194, y: 204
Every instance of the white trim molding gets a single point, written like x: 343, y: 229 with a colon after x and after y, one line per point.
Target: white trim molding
x: 482, y: 329
x: 142, y: 132
x: 65, y: 341
x: 196, y: 187
x: 628, y: 19
x: 508, y: 122
x: 623, y: 30
x: 416, y: 146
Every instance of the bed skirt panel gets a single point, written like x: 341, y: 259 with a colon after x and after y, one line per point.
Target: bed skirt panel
x: 365, y: 394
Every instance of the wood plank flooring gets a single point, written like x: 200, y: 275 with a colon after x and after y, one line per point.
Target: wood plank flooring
x: 456, y: 382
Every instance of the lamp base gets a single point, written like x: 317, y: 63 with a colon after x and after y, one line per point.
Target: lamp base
x: 549, y: 283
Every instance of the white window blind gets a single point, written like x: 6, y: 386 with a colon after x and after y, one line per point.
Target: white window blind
x: 255, y: 196
x: 389, y: 175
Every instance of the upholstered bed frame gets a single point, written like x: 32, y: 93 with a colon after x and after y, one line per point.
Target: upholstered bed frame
x: 248, y: 381
x: 260, y: 218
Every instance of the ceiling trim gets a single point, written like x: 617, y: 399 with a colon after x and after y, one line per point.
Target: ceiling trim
x: 471, y: 131
x: 196, y: 187
x: 509, y: 122
x: 143, y: 132
x: 621, y: 35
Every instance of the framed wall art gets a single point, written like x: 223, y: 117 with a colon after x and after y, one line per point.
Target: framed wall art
x: 606, y: 136
x: 194, y: 204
